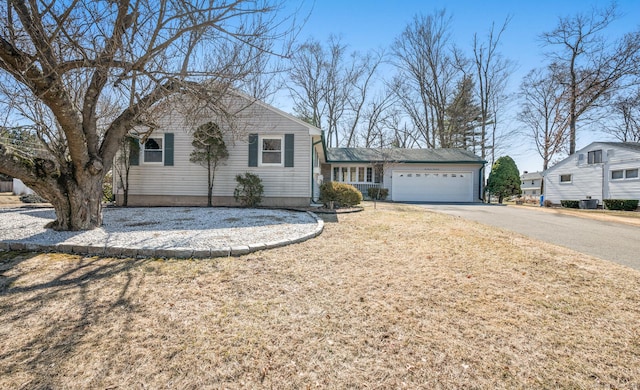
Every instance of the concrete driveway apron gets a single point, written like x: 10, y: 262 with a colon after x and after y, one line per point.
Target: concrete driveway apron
x: 611, y: 241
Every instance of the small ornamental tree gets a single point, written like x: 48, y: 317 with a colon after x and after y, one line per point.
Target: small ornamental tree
x: 128, y: 147
x: 209, y: 150
x: 504, y: 179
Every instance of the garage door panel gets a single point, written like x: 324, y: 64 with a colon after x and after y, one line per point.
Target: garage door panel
x: 432, y: 187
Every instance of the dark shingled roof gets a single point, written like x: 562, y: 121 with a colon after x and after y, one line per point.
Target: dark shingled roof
x: 531, y: 176
x: 402, y: 155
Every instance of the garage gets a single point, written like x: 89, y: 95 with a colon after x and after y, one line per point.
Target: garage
x: 432, y: 186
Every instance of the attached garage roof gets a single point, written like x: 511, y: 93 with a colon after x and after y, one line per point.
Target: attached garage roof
x: 401, y: 155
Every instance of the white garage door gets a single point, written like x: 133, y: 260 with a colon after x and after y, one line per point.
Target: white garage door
x: 432, y: 187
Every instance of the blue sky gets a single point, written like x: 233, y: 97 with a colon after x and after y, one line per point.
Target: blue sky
x: 372, y: 24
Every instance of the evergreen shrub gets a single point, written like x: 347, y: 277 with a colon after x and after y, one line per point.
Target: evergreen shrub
x: 570, y: 204
x: 249, y: 190
x: 341, y: 194
x: 621, y: 204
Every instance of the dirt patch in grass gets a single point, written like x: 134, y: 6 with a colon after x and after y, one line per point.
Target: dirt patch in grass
x: 396, y: 297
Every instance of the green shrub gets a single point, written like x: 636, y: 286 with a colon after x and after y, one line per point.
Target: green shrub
x: 249, y: 190
x: 342, y: 194
x: 621, y: 204
x: 107, y: 189
x: 570, y: 204
x: 373, y: 193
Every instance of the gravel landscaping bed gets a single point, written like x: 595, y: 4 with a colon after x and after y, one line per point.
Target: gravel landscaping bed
x: 161, y: 232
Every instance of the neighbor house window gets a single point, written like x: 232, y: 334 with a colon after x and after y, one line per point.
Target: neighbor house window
x: 617, y: 175
x: 565, y: 178
x: 153, y: 150
x: 620, y: 174
x: 594, y: 157
x: 271, y: 151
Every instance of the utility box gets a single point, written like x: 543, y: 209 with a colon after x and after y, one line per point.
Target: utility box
x: 589, y: 204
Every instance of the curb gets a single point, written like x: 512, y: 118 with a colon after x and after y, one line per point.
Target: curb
x: 124, y: 252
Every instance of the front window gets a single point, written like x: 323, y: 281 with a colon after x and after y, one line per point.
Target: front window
x: 620, y: 174
x: 153, y: 150
x: 594, y: 157
x: 271, y: 151
x: 356, y: 174
x: 565, y: 178
x: 617, y: 175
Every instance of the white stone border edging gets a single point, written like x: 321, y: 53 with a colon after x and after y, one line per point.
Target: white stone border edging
x: 165, y: 252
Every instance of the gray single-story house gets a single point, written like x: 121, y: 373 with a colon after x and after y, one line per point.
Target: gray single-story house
x: 410, y: 175
x: 260, y: 139
x: 291, y: 158
x: 600, y: 170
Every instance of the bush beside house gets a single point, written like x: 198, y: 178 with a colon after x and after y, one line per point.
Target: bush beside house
x: 339, y: 194
x: 621, y: 204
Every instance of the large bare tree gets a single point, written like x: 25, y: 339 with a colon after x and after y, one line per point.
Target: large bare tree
x: 592, y: 67
x: 492, y: 71
x: 626, y: 115
x: 543, y: 113
x: 429, y: 73
x: 331, y: 87
x: 59, y: 61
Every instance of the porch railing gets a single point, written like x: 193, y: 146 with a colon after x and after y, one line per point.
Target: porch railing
x: 363, y: 188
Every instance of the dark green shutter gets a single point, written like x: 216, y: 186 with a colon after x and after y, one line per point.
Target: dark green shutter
x: 288, y: 150
x: 168, y: 149
x: 134, y: 152
x: 253, y: 150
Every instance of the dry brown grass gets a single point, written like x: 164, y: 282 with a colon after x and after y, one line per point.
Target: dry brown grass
x: 7, y: 199
x: 390, y: 298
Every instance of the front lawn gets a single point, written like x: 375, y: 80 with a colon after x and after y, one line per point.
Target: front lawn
x: 396, y: 297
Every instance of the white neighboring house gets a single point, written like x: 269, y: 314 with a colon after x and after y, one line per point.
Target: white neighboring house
x: 261, y: 139
x: 601, y: 170
x: 531, y: 184
x: 19, y: 188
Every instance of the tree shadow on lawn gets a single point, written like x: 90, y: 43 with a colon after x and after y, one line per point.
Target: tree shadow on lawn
x: 48, y: 313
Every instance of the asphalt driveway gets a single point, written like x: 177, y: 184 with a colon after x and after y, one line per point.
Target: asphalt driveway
x: 612, y: 241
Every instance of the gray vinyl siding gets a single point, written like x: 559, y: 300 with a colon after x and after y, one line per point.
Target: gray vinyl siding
x: 189, y: 179
x: 593, y: 180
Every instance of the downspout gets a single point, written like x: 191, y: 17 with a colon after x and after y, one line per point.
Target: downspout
x: 313, y: 150
x: 481, y: 182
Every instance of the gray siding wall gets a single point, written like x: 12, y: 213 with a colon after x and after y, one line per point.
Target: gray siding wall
x: 593, y: 180
x: 185, y: 178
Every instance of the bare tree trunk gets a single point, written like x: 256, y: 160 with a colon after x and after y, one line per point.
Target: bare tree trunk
x: 78, y: 207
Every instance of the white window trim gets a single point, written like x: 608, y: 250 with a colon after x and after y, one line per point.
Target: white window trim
x: 260, y: 150
x: 565, y: 182
x: 631, y: 178
x: 349, y: 167
x: 593, y: 152
x: 142, y: 150
x: 624, y: 175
